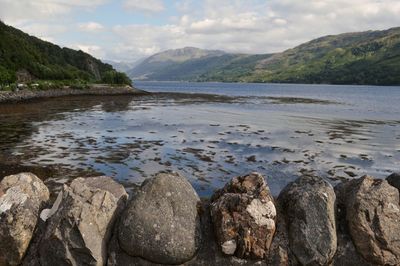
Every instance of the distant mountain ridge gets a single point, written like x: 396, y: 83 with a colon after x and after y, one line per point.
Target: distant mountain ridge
x: 154, y: 66
x: 121, y: 66
x: 371, y: 57
x: 184, y: 54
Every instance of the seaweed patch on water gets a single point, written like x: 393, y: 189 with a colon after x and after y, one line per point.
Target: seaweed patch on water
x: 192, y: 98
x: 169, y: 98
x: 298, y: 100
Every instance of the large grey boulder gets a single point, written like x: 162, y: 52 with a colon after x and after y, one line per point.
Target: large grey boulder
x: 21, y: 198
x: 161, y: 223
x: 80, y: 227
x: 373, y: 217
x: 346, y: 253
x: 394, y: 180
x: 309, y: 206
x: 244, y: 216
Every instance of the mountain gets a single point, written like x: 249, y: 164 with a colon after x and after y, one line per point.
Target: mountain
x: 371, y: 57
x: 122, y: 66
x: 158, y: 66
x: 27, y: 57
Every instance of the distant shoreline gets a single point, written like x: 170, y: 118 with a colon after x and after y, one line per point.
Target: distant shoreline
x: 265, y: 83
x: 26, y: 95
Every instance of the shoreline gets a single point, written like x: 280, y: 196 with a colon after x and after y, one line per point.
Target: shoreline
x: 98, y: 90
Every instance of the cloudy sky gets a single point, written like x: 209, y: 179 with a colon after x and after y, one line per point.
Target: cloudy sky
x: 126, y: 30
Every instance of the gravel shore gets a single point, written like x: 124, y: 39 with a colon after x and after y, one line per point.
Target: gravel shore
x: 25, y: 95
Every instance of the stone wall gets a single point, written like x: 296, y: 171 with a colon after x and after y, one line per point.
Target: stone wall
x: 165, y: 223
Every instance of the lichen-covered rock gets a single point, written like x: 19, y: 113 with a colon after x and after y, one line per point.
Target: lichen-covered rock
x: 244, y: 216
x: 161, y: 223
x: 373, y: 218
x: 21, y: 199
x: 79, y: 229
x: 394, y: 180
x: 309, y: 206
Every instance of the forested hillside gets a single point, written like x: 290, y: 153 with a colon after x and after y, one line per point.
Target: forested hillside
x: 371, y: 57
x: 41, y: 60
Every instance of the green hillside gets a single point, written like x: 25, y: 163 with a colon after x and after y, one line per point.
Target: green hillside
x: 371, y: 57
x: 41, y: 60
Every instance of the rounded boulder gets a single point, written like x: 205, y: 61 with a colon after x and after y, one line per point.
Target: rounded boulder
x: 161, y: 223
x: 309, y: 207
x: 373, y: 217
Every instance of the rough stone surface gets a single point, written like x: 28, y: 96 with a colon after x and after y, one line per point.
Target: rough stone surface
x: 280, y: 253
x: 209, y: 254
x: 21, y: 199
x: 244, y: 216
x: 373, y: 218
x: 346, y: 253
x: 161, y: 223
x: 394, y: 180
x: 309, y: 206
x: 78, y: 231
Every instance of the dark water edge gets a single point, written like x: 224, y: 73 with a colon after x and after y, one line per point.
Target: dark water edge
x: 209, y: 133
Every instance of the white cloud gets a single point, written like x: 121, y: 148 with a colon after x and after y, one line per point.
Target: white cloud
x: 44, y: 31
x: 136, y: 41
x: 90, y: 27
x: 148, y: 6
x: 94, y: 50
x: 254, y: 26
x: 246, y: 26
x: 184, y: 6
x: 248, y: 22
x: 21, y: 11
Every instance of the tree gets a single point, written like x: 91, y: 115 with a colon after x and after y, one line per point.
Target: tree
x: 6, y: 76
x: 114, y: 77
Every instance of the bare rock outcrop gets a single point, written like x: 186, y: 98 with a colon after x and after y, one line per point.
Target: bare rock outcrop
x: 80, y: 227
x: 22, y: 197
x: 244, y: 215
x: 373, y: 218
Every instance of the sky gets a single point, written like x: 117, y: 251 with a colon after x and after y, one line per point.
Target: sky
x: 128, y: 30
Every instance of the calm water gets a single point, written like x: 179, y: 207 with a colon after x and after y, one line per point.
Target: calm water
x: 209, y: 132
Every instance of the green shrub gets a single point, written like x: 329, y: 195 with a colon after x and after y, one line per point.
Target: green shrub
x: 6, y: 76
x: 114, y: 77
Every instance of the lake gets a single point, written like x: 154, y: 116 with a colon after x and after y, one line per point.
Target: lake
x: 209, y: 132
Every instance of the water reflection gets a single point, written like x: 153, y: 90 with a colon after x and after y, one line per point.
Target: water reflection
x: 209, y: 138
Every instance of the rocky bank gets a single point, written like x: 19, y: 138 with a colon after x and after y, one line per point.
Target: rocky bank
x: 92, y: 222
x: 98, y: 89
